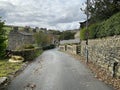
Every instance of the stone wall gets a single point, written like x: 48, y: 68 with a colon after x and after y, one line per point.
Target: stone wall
x: 62, y: 47
x: 29, y: 54
x: 70, y: 48
x: 104, y: 52
x: 73, y: 48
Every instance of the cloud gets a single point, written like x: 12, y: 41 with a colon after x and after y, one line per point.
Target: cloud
x: 52, y: 14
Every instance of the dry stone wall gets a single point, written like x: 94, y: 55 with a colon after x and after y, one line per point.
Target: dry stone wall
x: 29, y: 54
x: 104, y: 52
x: 73, y: 48
x: 62, y: 47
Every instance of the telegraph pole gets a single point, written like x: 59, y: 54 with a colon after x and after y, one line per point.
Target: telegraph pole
x: 87, y: 33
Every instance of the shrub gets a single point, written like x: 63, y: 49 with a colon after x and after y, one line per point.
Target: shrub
x: 83, y: 34
x: 93, y: 29
x: 2, y: 40
x: 51, y: 46
x: 112, y: 25
x: 92, y: 32
x: 106, y: 28
x: 100, y: 31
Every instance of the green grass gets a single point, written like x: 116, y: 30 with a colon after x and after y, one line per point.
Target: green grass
x: 7, y: 29
x: 7, y: 68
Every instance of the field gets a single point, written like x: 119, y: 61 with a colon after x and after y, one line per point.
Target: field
x: 9, y: 28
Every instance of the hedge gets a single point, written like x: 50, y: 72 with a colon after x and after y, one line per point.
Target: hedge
x: 106, y: 28
x: 51, y: 46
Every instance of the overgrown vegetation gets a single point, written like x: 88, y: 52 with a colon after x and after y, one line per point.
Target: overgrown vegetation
x: 2, y: 40
x: 106, y: 28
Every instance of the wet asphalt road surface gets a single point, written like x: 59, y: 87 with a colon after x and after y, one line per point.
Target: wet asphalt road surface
x: 55, y: 70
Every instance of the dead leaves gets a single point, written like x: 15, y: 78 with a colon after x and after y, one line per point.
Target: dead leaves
x: 30, y: 86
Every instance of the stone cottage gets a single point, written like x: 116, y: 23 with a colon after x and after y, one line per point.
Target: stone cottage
x: 17, y: 38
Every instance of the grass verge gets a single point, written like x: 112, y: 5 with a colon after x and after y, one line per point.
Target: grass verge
x: 7, y: 68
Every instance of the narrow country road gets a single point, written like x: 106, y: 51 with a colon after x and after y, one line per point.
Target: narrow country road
x: 55, y: 70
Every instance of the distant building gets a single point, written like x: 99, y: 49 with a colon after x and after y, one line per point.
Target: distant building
x: 17, y: 38
x: 83, y: 24
x: 44, y: 30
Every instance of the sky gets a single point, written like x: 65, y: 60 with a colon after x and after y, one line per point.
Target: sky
x: 51, y: 14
